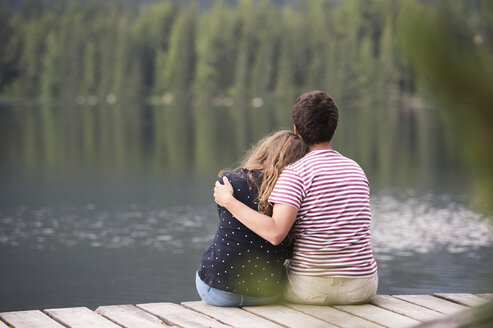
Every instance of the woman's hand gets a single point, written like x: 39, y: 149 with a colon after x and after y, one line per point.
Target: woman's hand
x: 223, y: 193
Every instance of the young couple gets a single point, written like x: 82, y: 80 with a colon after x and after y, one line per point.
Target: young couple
x: 293, y: 200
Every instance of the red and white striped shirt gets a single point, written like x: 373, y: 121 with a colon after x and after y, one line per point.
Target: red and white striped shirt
x: 332, y: 229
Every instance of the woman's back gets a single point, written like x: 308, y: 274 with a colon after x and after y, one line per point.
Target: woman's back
x: 238, y: 260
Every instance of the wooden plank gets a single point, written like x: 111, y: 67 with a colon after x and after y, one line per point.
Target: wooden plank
x: 175, y: 314
x: 80, y: 317
x: 462, y: 298
x: 405, y: 308
x: 29, y: 319
x: 130, y: 316
x: 488, y: 296
x: 434, y: 303
x: 378, y: 315
x: 287, y: 317
x: 334, y: 316
x: 232, y: 316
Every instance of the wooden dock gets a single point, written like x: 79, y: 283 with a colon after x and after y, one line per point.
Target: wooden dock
x: 384, y: 311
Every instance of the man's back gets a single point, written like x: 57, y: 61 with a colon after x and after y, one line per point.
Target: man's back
x: 332, y: 229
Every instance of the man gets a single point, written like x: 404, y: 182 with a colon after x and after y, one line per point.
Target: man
x: 325, y: 198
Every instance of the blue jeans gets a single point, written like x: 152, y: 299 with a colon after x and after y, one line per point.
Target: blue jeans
x: 214, y: 296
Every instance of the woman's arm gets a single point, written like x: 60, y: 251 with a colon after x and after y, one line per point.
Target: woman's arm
x: 273, y: 229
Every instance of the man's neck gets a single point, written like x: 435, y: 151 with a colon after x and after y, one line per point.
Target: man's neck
x: 322, y: 145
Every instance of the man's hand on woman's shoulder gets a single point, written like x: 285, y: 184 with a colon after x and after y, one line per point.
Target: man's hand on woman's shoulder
x: 223, y: 193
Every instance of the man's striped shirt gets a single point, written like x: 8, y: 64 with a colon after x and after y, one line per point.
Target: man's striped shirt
x: 332, y: 229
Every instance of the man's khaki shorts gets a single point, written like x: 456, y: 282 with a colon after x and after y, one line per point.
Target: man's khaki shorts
x: 330, y: 290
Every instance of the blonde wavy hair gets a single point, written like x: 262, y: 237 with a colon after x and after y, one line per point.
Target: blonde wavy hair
x: 270, y: 156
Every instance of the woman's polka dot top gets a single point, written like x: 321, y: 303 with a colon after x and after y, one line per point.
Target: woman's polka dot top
x: 238, y: 260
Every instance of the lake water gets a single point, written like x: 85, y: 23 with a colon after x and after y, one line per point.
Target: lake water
x: 113, y: 205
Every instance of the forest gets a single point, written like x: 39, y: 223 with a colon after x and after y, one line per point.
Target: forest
x: 112, y: 51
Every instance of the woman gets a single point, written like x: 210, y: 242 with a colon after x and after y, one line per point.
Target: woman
x: 239, y: 267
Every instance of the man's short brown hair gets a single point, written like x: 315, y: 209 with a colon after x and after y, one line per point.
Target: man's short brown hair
x: 315, y: 116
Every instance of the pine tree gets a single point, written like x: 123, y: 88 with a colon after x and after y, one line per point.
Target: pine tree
x: 71, y: 36
x: 106, y: 44
x: 89, y: 82
x: 180, y: 59
x: 159, y: 20
x: 50, y: 73
x: 30, y: 62
x: 319, y: 39
x: 263, y: 66
x: 6, y: 34
x: 285, y: 90
x: 211, y: 52
x: 126, y: 73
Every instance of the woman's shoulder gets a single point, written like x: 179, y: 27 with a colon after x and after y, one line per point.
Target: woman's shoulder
x: 236, y: 174
x: 241, y: 176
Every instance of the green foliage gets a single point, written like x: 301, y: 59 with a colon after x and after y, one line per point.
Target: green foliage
x: 50, y: 72
x: 89, y: 81
x: 164, y: 50
x: 450, y: 49
x: 180, y: 61
x: 285, y: 74
x: 212, y: 38
x: 266, y: 32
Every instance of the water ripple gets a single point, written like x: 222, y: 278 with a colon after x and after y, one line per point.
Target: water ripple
x: 420, y: 224
x: 403, y: 225
x: 69, y: 226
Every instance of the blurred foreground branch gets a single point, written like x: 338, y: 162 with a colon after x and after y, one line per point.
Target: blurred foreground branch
x: 478, y: 317
x: 452, y: 56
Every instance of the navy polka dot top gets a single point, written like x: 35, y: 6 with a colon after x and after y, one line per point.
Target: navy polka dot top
x: 238, y: 260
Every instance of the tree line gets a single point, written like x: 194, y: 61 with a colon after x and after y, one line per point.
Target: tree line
x: 163, y: 51
x: 106, y: 51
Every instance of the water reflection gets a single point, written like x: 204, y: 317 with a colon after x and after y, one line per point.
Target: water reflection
x: 394, y: 146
